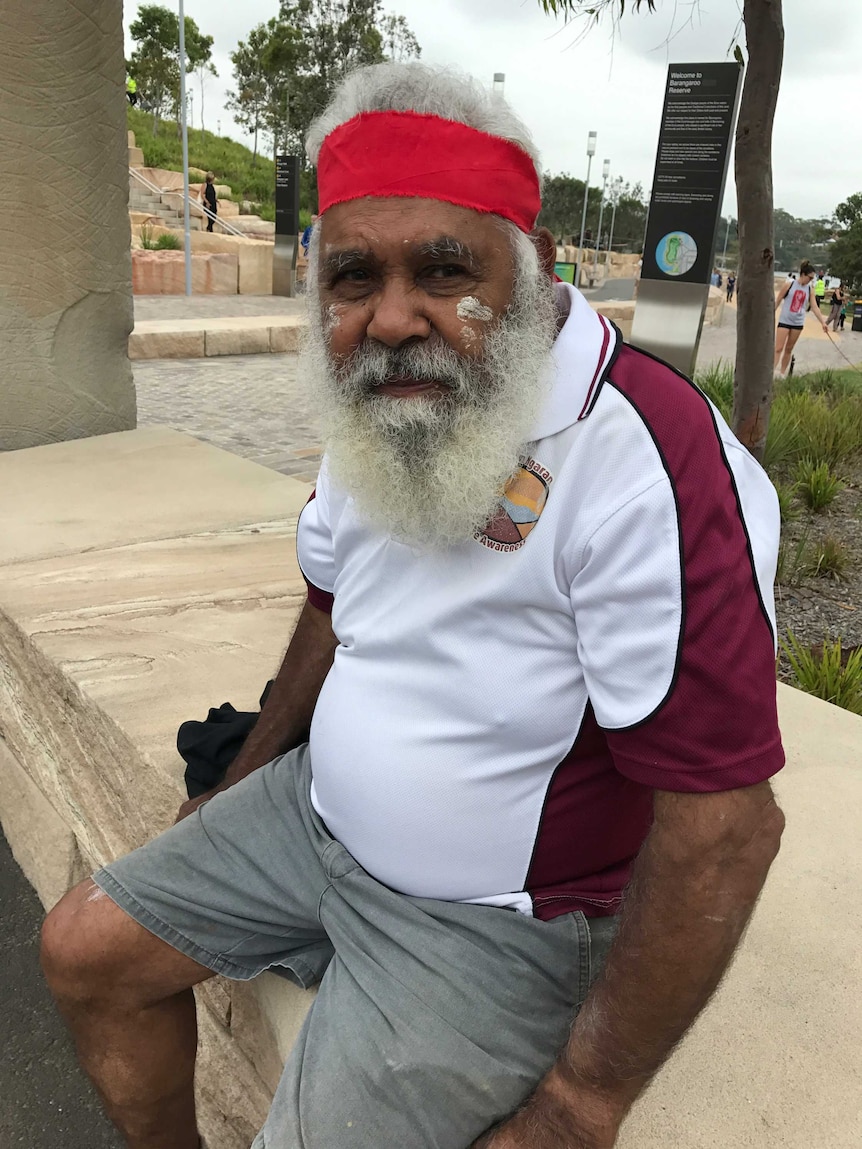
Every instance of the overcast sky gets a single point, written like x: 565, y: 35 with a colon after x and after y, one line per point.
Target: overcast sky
x: 565, y: 85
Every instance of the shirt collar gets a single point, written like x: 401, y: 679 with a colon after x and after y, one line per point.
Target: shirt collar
x: 580, y: 359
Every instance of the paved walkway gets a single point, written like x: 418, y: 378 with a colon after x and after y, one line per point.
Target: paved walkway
x: 46, y: 1101
x: 252, y: 405
x: 149, y: 307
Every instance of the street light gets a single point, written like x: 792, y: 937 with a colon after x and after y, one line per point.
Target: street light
x: 606, y: 171
x: 185, y: 135
x: 499, y: 85
x: 615, y: 196
x: 591, y: 151
x: 726, y: 237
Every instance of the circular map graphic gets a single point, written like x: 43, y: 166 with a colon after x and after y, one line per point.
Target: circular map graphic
x: 675, y: 253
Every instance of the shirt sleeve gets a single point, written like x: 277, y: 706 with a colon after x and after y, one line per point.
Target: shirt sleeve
x: 675, y: 642
x: 314, y: 546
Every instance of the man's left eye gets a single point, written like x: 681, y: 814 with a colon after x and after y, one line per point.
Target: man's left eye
x: 444, y: 271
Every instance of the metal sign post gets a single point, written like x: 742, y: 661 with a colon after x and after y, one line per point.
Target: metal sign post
x: 286, y: 225
x: 700, y: 106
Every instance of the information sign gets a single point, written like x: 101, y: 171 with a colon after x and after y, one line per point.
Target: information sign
x: 700, y: 104
x: 691, y: 165
x: 286, y: 225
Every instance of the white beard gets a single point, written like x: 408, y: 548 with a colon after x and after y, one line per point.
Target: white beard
x: 430, y: 471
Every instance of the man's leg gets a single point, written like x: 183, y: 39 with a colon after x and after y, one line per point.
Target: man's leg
x: 433, y: 1022
x: 126, y: 996
x: 233, y: 889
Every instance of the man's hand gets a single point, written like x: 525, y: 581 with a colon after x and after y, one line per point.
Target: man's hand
x: 561, y: 1114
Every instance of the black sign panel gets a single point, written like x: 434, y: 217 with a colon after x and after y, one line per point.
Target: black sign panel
x: 286, y: 195
x: 699, y: 113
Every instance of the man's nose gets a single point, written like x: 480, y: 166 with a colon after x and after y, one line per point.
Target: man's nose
x: 398, y: 315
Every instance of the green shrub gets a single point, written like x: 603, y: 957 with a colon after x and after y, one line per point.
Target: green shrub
x: 817, y: 486
x: 716, y: 382
x: 827, y: 558
x: 783, y: 436
x: 147, y: 241
x: 785, y: 492
x: 827, y: 674
x: 828, y: 434
x: 167, y: 241
x: 794, y: 561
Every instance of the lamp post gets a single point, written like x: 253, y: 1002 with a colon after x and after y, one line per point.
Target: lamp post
x: 499, y: 85
x: 615, y: 196
x: 591, y: 151
x: 726, y: 237
x: 185, y: 135
x: 606, y: 171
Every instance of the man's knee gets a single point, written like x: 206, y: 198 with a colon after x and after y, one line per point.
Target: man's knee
x: 93, y: 951
x: 79, y: 953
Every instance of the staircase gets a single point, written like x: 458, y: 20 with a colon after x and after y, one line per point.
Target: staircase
x: 142, y: 199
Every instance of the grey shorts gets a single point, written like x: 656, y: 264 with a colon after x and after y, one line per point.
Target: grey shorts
x: 433, y: 1020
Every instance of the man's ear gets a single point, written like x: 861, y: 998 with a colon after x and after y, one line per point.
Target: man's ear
x: 546, y: 246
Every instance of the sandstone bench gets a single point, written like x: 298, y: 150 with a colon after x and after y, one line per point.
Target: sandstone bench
x: 145, y: 576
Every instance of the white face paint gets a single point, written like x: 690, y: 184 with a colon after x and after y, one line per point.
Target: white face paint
x: 471, y: 308
x: 468, y: 335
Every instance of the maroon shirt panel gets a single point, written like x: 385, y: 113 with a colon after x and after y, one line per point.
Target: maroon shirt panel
x: 718, y: 727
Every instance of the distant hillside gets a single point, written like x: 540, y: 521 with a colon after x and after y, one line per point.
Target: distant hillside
x: 231, y: 162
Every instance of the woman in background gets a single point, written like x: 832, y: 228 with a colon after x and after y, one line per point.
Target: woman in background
x: 795, y: 298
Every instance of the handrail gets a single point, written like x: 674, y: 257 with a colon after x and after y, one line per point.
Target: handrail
x: 229, y: 228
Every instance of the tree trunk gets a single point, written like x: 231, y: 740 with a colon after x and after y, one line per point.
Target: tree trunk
x: 254, y: 153
x: 202, y: 99
x: 755, y: 322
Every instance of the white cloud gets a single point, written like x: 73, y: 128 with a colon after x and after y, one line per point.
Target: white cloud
x: 565, y: 84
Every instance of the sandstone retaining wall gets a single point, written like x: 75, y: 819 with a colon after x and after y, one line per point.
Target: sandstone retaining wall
x: 163, y: 273
x: 147, y: 576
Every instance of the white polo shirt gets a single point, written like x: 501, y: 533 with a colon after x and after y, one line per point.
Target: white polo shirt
x: 498, y: 714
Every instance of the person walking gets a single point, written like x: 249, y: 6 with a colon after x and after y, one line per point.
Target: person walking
x: 795, y: 298
x: 820, y: 288
x: 837, y: 301
x: 209, y: 198
x: 731, y: 286
x: 132, y: 91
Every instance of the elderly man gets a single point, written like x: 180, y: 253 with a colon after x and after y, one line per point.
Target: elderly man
x: 507, y: 801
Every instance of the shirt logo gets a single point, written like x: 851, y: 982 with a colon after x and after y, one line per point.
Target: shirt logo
x: 521, y: 505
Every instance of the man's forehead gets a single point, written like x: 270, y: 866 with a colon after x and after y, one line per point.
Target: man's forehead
x: 375, y: 222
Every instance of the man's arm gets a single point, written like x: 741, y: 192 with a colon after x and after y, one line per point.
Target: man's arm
x: 695, y: 883
x: 286, y: 716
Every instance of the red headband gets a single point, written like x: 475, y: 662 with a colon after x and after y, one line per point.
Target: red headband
x: 408, y: 154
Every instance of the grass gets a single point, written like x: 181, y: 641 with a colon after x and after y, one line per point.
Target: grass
x: 794, y: 561
x: 827, y: 558
x: 827, y: 673
x: 716, y: 382
x: 786, y: 509
x: 166, y: 241
x: 816, y: 484
x: 249, y: 178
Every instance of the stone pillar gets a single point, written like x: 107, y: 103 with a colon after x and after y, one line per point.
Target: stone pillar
x: 65, y: 265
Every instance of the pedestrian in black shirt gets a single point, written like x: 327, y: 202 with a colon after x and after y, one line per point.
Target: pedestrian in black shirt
x: 208, y: 196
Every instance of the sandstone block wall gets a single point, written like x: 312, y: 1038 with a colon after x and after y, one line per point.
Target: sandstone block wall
x: 65, y: 273
x: 146, y: 576
x: 163, y: 273
x: 142, y: 576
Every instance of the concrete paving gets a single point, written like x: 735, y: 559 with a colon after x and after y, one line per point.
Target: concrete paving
x: 47, y: 1102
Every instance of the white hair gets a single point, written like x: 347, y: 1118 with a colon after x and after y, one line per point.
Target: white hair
x: 431, y: 473
x: 415, y: 87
